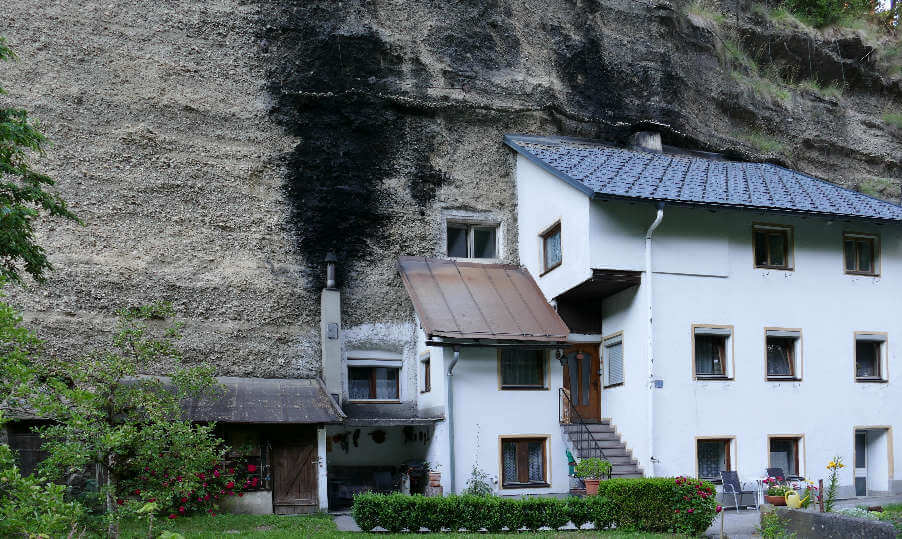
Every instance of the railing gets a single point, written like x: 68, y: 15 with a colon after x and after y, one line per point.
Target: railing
x: 586, y: 444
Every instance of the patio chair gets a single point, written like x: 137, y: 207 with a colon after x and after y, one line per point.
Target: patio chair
x: 732, y: 486
x: 778, y: 472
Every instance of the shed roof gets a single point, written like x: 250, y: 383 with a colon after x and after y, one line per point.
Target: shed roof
x: 266, y: 400
x: 468, y: 300
x: 603, y: 171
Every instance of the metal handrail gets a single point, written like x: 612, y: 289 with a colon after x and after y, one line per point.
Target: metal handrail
x: 584, y: 434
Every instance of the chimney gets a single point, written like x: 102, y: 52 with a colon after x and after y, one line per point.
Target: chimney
x: 649, y: 141
x: 330, y: 330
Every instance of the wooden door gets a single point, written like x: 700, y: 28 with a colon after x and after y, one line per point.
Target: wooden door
x: 294, y: 477
x: 581, y: 378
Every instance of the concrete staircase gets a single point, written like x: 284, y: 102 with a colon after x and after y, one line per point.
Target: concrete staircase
x: 607, y: 442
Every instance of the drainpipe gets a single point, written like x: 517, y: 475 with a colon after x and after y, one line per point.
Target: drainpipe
x: 448, y: 374
x: 649, y: 302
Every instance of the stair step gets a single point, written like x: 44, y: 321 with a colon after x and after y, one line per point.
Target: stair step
x: 591, y: 427
x: 604, y: 440
x: 613, y: 445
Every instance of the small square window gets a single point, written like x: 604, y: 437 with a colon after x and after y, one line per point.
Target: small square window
x: 712, y: 352
x: 522, y: 369
x: 773, y: 247
x: 860, y: 254
x: 374, y: 383
x: 552, y: 255
x: 713, y: 456
x: 870, y: 349
x: 784, y: 455
x: 523, y: 462
x: 783, y: 354
x: 472, y: 241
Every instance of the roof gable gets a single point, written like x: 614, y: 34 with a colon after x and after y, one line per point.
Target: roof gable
x: 606, y: 172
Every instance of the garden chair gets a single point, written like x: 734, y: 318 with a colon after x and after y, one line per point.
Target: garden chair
x: 732, y: 486
x: 778, y: 472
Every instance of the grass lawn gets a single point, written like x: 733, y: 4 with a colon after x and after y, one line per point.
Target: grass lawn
x: 319, y: 525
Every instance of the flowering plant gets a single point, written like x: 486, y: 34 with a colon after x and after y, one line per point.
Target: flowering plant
x: 776, y: 486
x: 695, y: 505
x: 834, y: 466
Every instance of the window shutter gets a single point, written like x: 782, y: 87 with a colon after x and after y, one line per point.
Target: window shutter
x: 614, y: 363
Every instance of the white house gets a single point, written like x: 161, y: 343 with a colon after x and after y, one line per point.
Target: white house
x: 766, y: 335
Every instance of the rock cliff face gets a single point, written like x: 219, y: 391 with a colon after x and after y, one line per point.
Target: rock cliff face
x: 217, y: 151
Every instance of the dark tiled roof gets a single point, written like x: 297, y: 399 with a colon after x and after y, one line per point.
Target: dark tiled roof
x: 607, y: 172
x: 468, y: 300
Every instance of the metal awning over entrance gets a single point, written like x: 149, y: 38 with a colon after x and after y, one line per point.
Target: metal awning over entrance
x: 468, y: 300
x: 580, y: 307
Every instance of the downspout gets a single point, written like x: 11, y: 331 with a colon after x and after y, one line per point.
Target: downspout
x: 450, y: 412
x: 649, y: 302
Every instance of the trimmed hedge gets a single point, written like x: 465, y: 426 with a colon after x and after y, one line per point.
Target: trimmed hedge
x: 397, y: 512
x: 669, y: 505
x: 662, y: 504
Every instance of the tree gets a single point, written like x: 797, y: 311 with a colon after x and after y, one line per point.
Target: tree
x: 23, y: 197
x: 106, y: 413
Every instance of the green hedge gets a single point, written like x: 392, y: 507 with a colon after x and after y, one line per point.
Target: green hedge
x: 669, y: 505
x: 397, y: 512
x: 663, y: 504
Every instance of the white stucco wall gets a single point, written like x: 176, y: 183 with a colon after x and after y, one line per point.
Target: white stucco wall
x: 483, y: 412
x: 704, y: 274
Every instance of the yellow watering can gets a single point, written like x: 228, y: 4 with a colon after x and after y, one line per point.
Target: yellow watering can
x: 793, y: 501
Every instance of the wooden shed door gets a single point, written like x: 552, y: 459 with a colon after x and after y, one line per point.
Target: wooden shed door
x: 584, y: 381
x: 294, y: 478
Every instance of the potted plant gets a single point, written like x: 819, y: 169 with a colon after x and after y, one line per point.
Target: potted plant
x: 591, y: 471
x: 776, y: 491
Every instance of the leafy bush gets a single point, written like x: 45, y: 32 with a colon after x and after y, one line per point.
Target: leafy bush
x: 593, y: 468
x: 661, y: 504
x: 397, y: 512
x: 30, y: 507
x: 478, y: 484
x: 821, y: 13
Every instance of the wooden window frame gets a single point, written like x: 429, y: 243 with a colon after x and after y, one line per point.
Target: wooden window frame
x: 604, y: 364
x: 795, y: 363
x: 874, y: 240
x: 372, y: 368
x: 728, y: 440
x: 882, y: 358
x: 799, y: 456
x: 426, y: 362
x: 470, y: 227
x: 788, y: 246
x: 547, y: 233
x: 546, y: 378
x: 728, y: 375
x: 521, y: 438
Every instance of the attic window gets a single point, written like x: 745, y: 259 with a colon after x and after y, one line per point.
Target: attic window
x: 552, y: 256
x: 472, y: 241
x: 860, y: 253
x: 773, y: 247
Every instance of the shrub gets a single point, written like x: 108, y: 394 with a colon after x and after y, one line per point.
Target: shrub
x: 396, y: 512
x: 593, y: 468
x: 664, y: 504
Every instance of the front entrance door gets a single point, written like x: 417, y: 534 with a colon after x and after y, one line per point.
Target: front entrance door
x: 581, y: 378
x: 294, y: 477
x: 861, y: 463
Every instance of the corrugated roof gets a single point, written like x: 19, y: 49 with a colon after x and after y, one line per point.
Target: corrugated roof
x: 266, y: 400
x: 468, y: 300
x: 607, y: 172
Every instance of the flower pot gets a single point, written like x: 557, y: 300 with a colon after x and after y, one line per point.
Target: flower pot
x: 591, y: 486
x: 435, y: 479
x: 775, y: 500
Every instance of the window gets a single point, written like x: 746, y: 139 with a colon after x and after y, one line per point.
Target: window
x: 713, y: 456
x: 427, y: 374
x: 522, y: 369
x: 783, y: 354
x: 712, y: 352
x: 870, y: 355
x: 472, y: 241
x: 784, y: 454
x: 373, y: 383
x: 613, y: 361
x: 552, y: 255
x: 860, y: 254
x: 523, y: 462
x: 773, y: 247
